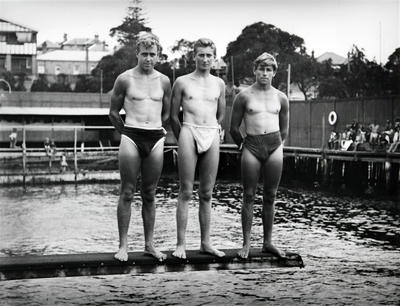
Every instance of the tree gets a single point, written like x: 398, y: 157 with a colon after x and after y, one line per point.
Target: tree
x: 330, y: 84
x: 113, y: 65
x: 133, y: 24
x: 124, y: 58
x: 61, y: 85
x: 256, y: 39
x: 304, y: 72
x: 186, y: 62
x: 392, y: 85
x: 40, y: 84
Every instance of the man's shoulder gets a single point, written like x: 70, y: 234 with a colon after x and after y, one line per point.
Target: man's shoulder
x: 281, y: 95
x: 183, y: 79
x: 162, y: 76
x: 124, y: 75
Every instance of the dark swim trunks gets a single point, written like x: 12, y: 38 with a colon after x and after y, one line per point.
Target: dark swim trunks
x: 146, y: 140
x: 261, y: 146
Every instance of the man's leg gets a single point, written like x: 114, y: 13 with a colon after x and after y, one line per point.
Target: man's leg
x: 129, y: 165
x: 208, y: 168
x: 151, y: 172
x: 250, y: 168
x: 272, y: 171
x: 187, y: 159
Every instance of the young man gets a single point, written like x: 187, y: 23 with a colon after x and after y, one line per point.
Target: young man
x: 202, y: 98
x: 144, y: 94
x: 265, y: 112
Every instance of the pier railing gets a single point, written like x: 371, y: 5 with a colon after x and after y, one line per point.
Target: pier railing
x: 25, y: 161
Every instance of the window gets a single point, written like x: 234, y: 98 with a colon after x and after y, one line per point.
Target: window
x: 57, y: 70
x: 75, y: 70
x: 3, y: 37
x: 24, y: 37
x: 28, y: 63
x: 41, y: 69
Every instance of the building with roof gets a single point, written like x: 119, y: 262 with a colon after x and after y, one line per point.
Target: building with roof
x: 18, y: 48
x: 336, y: 59
x: 69, y: 62
x: 92, y: 44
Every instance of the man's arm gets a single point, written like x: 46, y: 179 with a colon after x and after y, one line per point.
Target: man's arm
x: 284, y: 116
x: 166, y: 100
x: 236, y: 119
x: 117, y: 102
x: 176, y: 99
x: 221, y: 102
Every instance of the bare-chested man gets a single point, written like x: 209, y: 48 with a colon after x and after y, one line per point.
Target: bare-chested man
x: 265, y: 112
x: 202, y: 98
x: 144, y: 94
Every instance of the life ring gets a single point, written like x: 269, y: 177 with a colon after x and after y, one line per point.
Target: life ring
x: 332, y: 117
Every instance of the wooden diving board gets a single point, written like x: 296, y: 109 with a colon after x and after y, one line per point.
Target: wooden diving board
x: 25, y: 267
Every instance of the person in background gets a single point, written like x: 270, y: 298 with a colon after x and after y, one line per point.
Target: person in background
x: 13, y: 138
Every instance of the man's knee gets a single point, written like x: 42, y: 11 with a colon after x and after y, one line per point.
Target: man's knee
x: 269, y: 196
x: 185, y: 193
x: 249, y: 197
x: 127, y: 194
x: 205, y: 196
x: 148, y: 194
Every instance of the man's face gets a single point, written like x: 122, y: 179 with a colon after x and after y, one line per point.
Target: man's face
x: 264, y: 74
x: 204, y: 57
x: 147, y: 57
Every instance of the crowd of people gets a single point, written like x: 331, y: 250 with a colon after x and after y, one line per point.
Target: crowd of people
x: 359, y: 137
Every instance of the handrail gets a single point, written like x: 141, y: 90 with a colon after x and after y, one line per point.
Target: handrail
x: 34, y: 127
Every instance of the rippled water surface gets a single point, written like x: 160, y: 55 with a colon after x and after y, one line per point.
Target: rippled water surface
x: 350, y: 246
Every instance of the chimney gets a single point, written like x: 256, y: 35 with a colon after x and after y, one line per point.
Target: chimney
x: 65, y: 37
x: 96, y: 38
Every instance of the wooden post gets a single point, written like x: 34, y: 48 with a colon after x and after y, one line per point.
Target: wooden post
x: 75, y: 154
x: 323, y: 132
x: 23, y: 156
x: 309, y: 125
x: 233, y: 72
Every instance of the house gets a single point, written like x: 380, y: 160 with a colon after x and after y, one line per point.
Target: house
x: 69, y: 62
x: 18, y: 48
x: 93, y: 44
x: 77, y: 56
x: 337, y: 60
x: 219, y: 66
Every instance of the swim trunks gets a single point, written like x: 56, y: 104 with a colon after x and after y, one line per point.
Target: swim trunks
x: 203, y: 135
x: 261, y: 146
x: 145, y: 140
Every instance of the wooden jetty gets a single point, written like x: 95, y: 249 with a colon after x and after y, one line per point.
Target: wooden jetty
x: 99, y: 163
x: 26, y: 267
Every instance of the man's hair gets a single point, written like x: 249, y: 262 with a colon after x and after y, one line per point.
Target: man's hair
x: 265, y: 59
x: 147, y: 40
x: 203, y: 43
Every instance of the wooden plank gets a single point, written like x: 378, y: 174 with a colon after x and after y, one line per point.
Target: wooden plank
x: 26, y: 267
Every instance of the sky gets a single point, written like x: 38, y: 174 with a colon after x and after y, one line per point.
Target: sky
x: 326, y: 26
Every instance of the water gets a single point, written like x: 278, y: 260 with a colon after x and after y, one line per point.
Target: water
x: 350, y: 247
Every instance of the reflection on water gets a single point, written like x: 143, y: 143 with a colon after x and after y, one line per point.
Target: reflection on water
x: 350, y: 247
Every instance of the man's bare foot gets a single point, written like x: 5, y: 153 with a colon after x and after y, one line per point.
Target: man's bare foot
x: 244, y: 252
x: 208, y: 249
x: 152, y: 251
x: 122, y: 254
x: 180, y: 252
x: 269, y: 248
